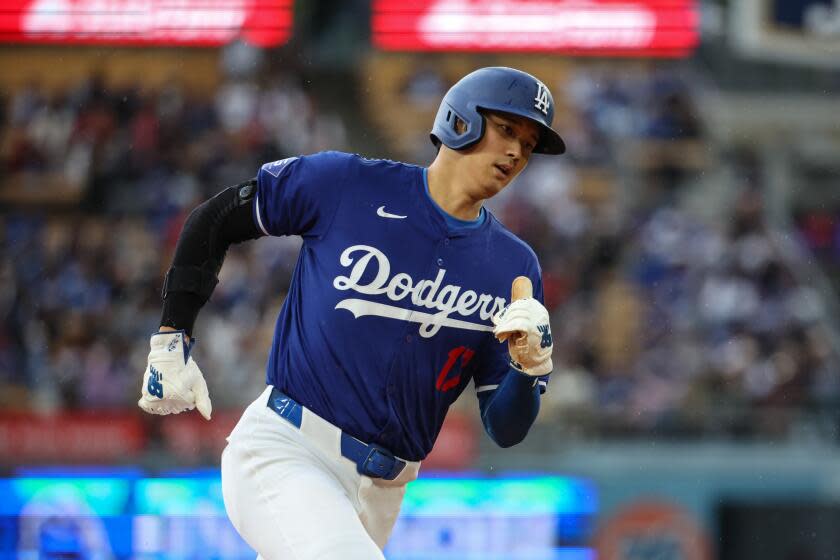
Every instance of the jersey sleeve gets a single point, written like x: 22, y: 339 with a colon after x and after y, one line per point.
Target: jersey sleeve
x: 495, y: 360
x: 299, y: 195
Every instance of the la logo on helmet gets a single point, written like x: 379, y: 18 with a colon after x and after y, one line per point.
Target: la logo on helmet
x: 541, y: 100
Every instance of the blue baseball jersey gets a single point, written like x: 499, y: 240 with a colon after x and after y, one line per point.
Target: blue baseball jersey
x: 389, y: 312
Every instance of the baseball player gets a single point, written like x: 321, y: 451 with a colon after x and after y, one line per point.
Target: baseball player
x: 400, y: 296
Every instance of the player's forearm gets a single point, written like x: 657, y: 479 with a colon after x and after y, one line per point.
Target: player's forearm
x: 210, y: 229
x: 511, y: 409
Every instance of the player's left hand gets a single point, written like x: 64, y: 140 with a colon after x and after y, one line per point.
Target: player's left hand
x: 172, y: 382
x: 524, y: 324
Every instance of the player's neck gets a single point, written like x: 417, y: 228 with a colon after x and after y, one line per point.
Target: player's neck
x: 450, y: 194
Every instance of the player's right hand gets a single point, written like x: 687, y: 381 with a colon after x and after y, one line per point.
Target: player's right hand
x: 524, y: 324
x: 172, y: 382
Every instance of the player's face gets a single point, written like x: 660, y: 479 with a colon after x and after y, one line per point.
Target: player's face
x: 503, y: 151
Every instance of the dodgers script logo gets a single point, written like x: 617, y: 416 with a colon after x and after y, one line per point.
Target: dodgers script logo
x: 445, y: 299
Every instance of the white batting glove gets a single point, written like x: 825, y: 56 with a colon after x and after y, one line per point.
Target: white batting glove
x: 172, y: 382
x: 524, y: 324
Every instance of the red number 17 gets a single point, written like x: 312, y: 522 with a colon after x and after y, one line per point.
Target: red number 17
x: 443, y: 384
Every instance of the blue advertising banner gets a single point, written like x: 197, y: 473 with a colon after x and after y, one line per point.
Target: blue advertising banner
x: 130, y: 516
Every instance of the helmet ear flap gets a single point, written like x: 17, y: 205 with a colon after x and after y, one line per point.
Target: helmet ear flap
x: 456, y: 123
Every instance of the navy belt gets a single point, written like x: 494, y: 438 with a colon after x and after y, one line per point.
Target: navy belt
x: 371, y: 460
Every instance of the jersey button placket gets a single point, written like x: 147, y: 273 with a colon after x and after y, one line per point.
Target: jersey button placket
x: 439, y: 260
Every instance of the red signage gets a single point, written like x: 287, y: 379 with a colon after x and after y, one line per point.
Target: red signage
x: 582, y: 27
x: 263, y: 23
x: 70, y: 438
x: 190, y: 437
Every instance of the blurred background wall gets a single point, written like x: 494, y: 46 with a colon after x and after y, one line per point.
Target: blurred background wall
x: 689, y: 239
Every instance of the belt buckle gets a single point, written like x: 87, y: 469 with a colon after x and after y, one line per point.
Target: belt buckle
x: 380, y: 463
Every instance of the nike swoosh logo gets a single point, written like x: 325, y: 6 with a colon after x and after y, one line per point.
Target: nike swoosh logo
x: 382, y: 213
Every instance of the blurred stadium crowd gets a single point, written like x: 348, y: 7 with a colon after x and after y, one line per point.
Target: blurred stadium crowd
x: 665, y: 323
x: 81, y: 278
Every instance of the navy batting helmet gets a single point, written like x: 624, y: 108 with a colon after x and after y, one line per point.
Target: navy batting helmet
x: 495, y: 89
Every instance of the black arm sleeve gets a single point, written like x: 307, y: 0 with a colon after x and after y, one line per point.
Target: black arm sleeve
x: 208, y: 232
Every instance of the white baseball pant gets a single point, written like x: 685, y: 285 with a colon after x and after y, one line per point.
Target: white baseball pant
x: 291, y: 494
